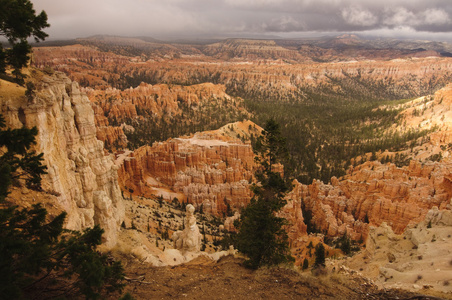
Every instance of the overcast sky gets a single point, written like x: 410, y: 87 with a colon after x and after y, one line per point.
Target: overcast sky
x: 228, y: 18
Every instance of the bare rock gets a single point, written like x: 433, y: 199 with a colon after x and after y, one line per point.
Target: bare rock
x: 78, y: 170
x: 188, y: 240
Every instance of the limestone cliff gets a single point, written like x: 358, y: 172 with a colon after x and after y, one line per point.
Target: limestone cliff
x: 79, y: 172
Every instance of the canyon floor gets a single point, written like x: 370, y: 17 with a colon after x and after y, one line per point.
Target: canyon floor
x: 228, y: 279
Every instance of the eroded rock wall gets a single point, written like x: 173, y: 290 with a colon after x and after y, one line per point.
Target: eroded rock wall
x: 78, y: 170
x: 374, y: 193
x: 210, y: 170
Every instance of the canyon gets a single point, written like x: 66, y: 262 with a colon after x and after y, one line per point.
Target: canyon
x: 369, y: 194
x: 180, y: 168
x: 142, y: 136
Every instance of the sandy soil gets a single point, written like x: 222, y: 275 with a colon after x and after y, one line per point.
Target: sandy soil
x: 228, y: 279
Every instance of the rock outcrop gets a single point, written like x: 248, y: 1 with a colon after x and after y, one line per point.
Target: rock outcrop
x: 159, y: 104
x: 112, y: 136
x: 189, y: 239
x: 209, y: 169
x: 292, y: 212
x: 374, y: 193
x: 78, y: 170
x: 160, y: 99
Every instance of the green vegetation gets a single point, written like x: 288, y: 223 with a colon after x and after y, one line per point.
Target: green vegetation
x: 37, y: 257
x: 345, y: 244
x: 326, y: 130
x: 305, y: 264
x: 261, y: 235
x: 40, y: 259
x: 16, y: 161
x: 18, y: 21
x: 319, y: 255
x: 210, y: 114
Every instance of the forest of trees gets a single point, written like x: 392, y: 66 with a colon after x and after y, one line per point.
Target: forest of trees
x: 325, y: 135
x: 326, y: 127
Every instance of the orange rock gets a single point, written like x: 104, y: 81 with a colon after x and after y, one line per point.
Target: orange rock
x: 209, y: 169
x: 377, y: 193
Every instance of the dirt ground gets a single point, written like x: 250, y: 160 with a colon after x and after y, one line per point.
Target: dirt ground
x: 228, y: 279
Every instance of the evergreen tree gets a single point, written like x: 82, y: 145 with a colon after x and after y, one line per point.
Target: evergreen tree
x: 18, y: 21
x: 319, y: 255
x: 305, y: 264
x: 261, y: 235
x: 270, y: 147
x: 16, y: 161
x: 36, y: 255
x: 345, y: 244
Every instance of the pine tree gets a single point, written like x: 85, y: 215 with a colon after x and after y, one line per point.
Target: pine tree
x: 16, y: 161
x: 345, y: 244
x: 319, y: 255
x: 305, y: 264
x: 261, y: 235
x: 18, y: 22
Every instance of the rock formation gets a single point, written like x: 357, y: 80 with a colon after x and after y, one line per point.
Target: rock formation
x: 296, y: 228
x: 210, y: 169
x: 254, y: 65
x: 78, y: 170
x: 374, y: 193
x: 159, y: 104
x: 214, y: 175
x: 188, y: 240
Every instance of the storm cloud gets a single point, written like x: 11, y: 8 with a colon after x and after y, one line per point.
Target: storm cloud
x: 159, y: 18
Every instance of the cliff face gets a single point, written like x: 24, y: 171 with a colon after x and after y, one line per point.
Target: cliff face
x: 78, y: 170
x: 208, y: 169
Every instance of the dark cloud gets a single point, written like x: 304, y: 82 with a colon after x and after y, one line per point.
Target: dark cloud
x: 238, y: 17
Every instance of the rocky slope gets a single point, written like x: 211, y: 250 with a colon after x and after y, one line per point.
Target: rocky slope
x: 229, y: 279
x: 374, y: 193
x: 419, y: 259
x: 82, y: 177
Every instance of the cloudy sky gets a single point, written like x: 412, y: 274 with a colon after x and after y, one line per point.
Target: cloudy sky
x: 228, y: 18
